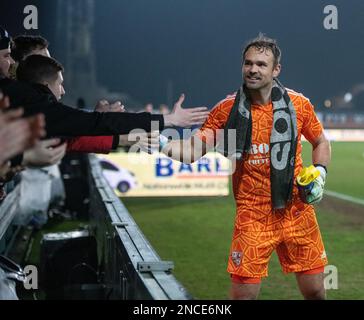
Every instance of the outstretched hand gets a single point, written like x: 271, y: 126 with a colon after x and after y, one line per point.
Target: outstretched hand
x: 187, y: 117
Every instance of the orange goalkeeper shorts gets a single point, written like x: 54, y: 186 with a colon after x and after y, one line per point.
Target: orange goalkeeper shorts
x: 295, y: 235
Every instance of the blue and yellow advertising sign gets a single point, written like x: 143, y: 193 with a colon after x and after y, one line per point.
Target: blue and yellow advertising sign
x: 156, y: 175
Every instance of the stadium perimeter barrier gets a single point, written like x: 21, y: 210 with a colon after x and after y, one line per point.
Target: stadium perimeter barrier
x: 130, y: 264
x: 130, y: 268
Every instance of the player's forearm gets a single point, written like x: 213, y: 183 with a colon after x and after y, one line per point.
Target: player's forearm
x: 186, y: 151
x: 321, y: 152
x: 179, y: 150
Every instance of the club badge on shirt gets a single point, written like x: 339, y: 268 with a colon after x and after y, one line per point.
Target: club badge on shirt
x: 236, y: 257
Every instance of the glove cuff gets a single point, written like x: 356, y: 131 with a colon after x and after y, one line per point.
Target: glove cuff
x: 321, y: 165
x: 322, y: 170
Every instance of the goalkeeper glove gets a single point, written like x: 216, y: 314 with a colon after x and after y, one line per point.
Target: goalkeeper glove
x: 311, y: 182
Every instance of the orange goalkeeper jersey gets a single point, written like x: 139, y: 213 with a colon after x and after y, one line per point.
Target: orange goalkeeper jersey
x: 251, y: 181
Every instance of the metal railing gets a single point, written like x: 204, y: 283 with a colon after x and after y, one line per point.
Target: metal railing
x: 130, y: 267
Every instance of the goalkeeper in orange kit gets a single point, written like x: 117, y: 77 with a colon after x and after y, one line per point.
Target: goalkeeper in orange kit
x: 268, y: 121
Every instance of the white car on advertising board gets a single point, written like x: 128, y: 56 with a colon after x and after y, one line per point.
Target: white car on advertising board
x: 119, y: 178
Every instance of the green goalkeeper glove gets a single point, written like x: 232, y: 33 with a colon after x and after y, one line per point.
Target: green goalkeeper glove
x: 311, y: 182
x: 317, y: 190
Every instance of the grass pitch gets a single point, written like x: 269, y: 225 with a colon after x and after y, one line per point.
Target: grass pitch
x: 196, y: 232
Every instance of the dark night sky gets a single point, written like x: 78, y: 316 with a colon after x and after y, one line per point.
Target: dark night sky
x: 196, y: 44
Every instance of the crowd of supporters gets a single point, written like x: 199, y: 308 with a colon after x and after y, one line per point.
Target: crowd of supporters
x: 37, y: 130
